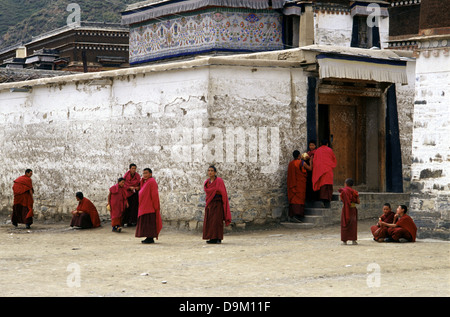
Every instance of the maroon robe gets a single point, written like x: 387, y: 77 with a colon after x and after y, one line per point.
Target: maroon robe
x: 217, y: 209
x: 130, y: 214
x: 23, y: 201
x: 149, y: 216
x: 324, y: 163
x: 118, y: 202
x: 406, y: 228
x: 382, y: 232
x: 349, y: 216
x: 89, y: 217
x: 296, y: 188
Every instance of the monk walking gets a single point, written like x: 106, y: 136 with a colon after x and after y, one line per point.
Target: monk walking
x: 217, y: 209
x: 149, y: 223
x: 296, y: 186
x: 117, y: 202
x: 23, y: 200
x: 86, y: 215
x: 403, y: 229
x: 322, y: 177
x: 132, y: 181
x: 349, y: 216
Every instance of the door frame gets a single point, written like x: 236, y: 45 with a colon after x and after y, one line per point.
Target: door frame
x: 371, y: 98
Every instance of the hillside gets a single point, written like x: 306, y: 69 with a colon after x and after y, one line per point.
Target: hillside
x: 22, y: 19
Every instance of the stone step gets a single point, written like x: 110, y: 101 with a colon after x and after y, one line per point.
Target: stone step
x: 297, y: 225
x: 313, y: 217
x: 308, y: 221
x: 317, y: 211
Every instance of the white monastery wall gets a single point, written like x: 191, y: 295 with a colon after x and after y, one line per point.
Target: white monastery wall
x: 80, y: 133
x: 430, y: 170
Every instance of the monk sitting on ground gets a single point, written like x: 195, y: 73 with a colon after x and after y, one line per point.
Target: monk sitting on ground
x: 381, y: 232
x: 86, y: 215
x: 403, y: 229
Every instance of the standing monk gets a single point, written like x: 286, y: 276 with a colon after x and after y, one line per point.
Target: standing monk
x: 403, y: 229
x: 23, y: 200
x: 296, y: 186
x: 311, y: 195
x: 217, y: 209
x: 117, y: 202
x: 132, y: 181
x: 149, y: 221
x: 322, y: 177
x: 86, y: 215
x: 349, y: 216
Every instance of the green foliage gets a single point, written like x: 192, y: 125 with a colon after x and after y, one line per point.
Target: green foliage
x: 20, y: 20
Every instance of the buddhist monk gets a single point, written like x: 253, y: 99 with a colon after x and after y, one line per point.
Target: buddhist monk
x: 132, y: 181
x: 349, y: 216
x: 217, y: 209
x: 117, y: 202
x: 403, y: 229
x: 23, y: 200
x: 149, y: 223
x: 296, y: 186
x: 86, y: 215
x: 322, y: 177
x: 311, y: 195
x: 380, y: 232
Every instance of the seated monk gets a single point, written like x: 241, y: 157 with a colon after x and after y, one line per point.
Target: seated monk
x: 86, y: 215
x: 381, y: 232
x: 403, y: 229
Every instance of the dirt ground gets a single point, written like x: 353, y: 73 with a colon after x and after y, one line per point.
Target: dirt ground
x: 56, y: 260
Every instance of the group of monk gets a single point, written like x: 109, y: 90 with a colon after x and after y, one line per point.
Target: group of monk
x: 394, y: 227
x: 310, y: 178
x: 133, y: 201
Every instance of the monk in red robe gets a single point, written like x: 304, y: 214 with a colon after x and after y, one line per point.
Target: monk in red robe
x: 311, y: 195
x: 403, y: 229
x: 322, y: 177
x: 132, y: 183
x: 23, y: 200
x: 381, y: 232
x: 149, y: 222
x: 117, y: 202
x: 217, y: 209
x: 86, y: 215
x: 349, y: 216
x: 296, y: 186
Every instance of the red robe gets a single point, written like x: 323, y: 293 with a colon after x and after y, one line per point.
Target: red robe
x: 218, y: 187
x: 131, y: 182
x: 349, y: 216
x: 149, y: 201
x: 406, y: 222
x: 118, y: 200
x: 381, y: 232
x: 22, y: 196
x: 324, y: 163
x: 296, y: 183
x: 88, y: 207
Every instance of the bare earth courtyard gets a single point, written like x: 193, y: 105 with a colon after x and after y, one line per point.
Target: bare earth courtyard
x: 53, y: 260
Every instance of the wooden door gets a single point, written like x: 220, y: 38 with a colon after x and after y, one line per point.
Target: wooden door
x: 343, y: 138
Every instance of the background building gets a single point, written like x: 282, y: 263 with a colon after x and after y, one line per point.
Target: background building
x: 245, y: 107
x: 86, y: 47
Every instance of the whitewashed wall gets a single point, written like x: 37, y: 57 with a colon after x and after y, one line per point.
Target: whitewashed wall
x: 430, y: 170
x: 80, y: 133
x: 336, y: 29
